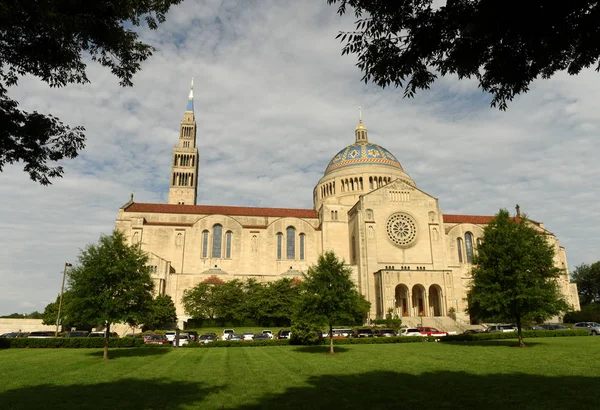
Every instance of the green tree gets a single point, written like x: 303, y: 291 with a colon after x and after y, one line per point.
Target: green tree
x: 329, y: 296
x: 52, y: 41
x: 514, y: 276
x: 587, y: 278
x: 199, y: 301
x: 162, y: 312
x: 504, y: 47
x: 110, y: 284
x: 221, y: 301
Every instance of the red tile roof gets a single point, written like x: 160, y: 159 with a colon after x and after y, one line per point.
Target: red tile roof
x: 221, y: 210
x: 471, y: 219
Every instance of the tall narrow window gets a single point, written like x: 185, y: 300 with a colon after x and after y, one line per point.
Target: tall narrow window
x: 459, y: 248
x: 290, y: 242
x: 469, y: 246
x: 228, y: 244
x: 279, y: 244
x: 217, y: 240
x: 205, y: 244
x: 353, y: 250
x: 302, y: 236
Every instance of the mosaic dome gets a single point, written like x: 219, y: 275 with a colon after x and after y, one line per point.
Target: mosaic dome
x: 362, y: 153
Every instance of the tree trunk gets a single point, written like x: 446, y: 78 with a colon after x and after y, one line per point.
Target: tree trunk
x: 330, y: 339
x: 520, y: 332
x: 106, y: 334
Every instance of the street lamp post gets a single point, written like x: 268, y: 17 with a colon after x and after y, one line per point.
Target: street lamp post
x: 62, y: 289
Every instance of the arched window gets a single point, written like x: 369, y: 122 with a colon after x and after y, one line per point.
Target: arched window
x: 459, y: 248
x: 205, y: 244
x: 228, y: 236
x: 279, y: 244
x: 469, y: 246
x: 302, y: 236
x: 290, y: 242
x: 217, y: 240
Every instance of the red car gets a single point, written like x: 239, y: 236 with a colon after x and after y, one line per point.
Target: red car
x: 156, y: 340
x: 431, y: 331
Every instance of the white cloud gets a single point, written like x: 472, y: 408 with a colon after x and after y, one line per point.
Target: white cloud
x: 275, y: 101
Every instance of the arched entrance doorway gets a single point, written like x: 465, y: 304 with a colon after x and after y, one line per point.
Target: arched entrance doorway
x: 418, y: 300
x: 435, y: 300
x: 402, y: 300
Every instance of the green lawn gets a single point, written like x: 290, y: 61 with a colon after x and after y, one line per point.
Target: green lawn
x: 552, y: 373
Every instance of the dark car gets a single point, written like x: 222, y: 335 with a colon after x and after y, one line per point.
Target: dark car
x: 553, y: 326
x: 14, y: 335
x: 41, y: 335
x: 77, y: 333
x: 193, y: 335
x: 364, y: 333
x: 473, y: 331
x: 284, y: 334
x: 385, y: 333
x: 207, y: 338
x: 261, y: 336
x: 156, y: 340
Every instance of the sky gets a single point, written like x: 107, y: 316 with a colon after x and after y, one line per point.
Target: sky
x: 275, y: 100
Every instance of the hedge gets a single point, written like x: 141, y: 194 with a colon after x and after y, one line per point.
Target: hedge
x: 527, y: 334
x: 232, y: 343
x: 71, y: 342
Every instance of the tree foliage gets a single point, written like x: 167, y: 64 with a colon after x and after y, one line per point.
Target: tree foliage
x: 236, y: 301
x: 587, y: 278
x: 52, y: 40
x: 329, y: 296
x: 504, y: 46
x: 162, y: 312
x: 514, y: 277
x: 110, y: 284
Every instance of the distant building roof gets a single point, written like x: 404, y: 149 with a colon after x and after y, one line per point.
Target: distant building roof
x: 221, y: 210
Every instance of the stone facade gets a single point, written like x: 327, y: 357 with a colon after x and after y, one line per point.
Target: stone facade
x: 405, y: 254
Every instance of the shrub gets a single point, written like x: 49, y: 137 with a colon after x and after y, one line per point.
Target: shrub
x: 589, y: 313
x: 513, y: 335
x: 74, y: 342
x: 305, y: 333
x: 228, y: 343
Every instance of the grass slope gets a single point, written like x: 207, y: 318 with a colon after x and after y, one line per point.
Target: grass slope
x: 550, y: 373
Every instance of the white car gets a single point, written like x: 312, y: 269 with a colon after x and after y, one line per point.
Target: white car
x: 170, y: 335
x: 248, y: 336
x: 227, y: 334
x: 411, y: 331
x: 268, y: 332
x: 183, y: 339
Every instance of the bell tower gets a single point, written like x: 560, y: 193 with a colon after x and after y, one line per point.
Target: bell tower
x: 184, y: 166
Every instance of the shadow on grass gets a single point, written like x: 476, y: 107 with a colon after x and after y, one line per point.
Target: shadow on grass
x: 445, y: 390
x: 120, y: 394
x: 322, y: 349
x: 494, y: 343
x: 131, y: 352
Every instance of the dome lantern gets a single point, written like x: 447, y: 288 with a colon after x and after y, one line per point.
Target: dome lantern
x: 361, y: 131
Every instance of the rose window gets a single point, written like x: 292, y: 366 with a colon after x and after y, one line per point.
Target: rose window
x: 402, y: 229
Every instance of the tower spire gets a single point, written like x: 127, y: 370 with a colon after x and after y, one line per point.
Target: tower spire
x: 361, y: 131
x: 190, y: 104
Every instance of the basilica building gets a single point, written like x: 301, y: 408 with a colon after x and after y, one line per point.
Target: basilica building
x: 406, y: 255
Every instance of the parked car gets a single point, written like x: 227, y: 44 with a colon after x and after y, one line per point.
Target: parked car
x: 593, y: 327
x: 385, y: 333
x: 77, y: 333
x: 13, y: 335
x: 156, y: 340
x: 473, y: 331
x: 248, y: 336
x: 41, y: 335
x: 235, y: 337
x: 101, y: 334
x: 431, y: 332
x: 341, y: 333
x: 227, y: 334
x: 364, y: 333
x: 170, y: 334
x: 534, y: 327
x: 268, y: 332
x: 554, y: 326
x: 284, y: 334
x: 207, y: 338
x: 262, y: 336
x: 193, y: 335
x: 411, y: 331
x: 182, y: 339
x: 501, y: 328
